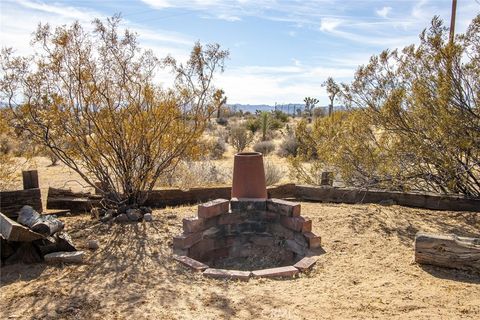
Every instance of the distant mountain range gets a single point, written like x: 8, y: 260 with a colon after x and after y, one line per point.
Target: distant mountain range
x: 287, y: 108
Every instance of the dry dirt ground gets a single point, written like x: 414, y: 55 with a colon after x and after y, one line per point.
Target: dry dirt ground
x: 367, y: 271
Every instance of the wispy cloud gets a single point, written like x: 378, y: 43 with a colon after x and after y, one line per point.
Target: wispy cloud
x: 384, y: 12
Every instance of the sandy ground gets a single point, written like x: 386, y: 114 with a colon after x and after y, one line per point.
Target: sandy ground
x: 367, y: 272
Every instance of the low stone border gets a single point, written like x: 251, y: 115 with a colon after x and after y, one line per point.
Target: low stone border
x: 303, y: 265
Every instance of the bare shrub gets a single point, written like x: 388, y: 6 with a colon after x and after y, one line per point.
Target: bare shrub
x: 265, y: 147
x: 240, y: 137
x: 288, y: 147
x: 273, y: 173
x: 214, y: 148
x: 189, y: 174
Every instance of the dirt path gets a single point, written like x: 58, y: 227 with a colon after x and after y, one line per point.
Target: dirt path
x: 367, y: 272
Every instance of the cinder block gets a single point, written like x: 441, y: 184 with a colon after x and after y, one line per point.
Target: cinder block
x: 283, y: 207
x: 232, y: 218
x: 247, y: 204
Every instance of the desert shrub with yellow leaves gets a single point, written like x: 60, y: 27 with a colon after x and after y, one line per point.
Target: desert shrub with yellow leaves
x: 91, y: 99
x: 413, y: 121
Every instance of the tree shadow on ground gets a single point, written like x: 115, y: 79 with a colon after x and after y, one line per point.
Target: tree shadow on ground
x: 132, y: 268
x: 404, y: 223
x: 452, y: 274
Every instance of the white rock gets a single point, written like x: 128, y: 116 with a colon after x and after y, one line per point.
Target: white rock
x: 134, y: 214
x: 64, y: 257
x: 93, y: 244
x: 147, y: 217
x: 121, y: 218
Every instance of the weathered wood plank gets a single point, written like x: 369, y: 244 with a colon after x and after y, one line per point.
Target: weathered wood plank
x: 419, y: 200
x: 448, y: 251
x: 76, y: 202
x: 30, y: 179
x: 12, y: 201
x: 13, y: 231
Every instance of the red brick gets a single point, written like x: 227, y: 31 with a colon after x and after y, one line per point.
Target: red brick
x: 307, y: 225
x: 296, y: 223
x: 283, y: 207
x: 192, y: 224
x: 305, y: 264
x: 313, y: 240
x: 227, y: 274
x: 184, y: 241
x: 288, y: 271
x: 191, y: 263
x: 213, y: 208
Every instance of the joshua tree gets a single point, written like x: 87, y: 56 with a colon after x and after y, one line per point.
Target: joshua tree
x: 310, y: 104
x: 332, y: 89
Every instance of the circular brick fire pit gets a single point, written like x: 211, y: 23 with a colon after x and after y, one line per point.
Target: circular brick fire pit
x: 241, y: 238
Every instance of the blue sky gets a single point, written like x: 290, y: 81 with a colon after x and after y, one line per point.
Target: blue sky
x: 280, y: 51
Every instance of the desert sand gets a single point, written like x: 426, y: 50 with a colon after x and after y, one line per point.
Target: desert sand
x: 366, y: 272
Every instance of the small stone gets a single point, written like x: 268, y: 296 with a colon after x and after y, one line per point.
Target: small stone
x: 227, y: 274
x: 93, y: 244
x: 64, y: 257
x: 122, y: 209
x: 134, y: 214
x: 148, y: 217
x: 121, y: 218
x: 107, y: 217
x: 146, y: 210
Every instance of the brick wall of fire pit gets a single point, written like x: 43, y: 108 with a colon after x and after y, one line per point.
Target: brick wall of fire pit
x: 244, y: 237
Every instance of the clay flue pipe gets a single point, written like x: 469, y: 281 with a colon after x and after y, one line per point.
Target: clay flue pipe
x: 248, y: 176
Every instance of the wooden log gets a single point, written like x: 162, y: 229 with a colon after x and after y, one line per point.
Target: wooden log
x: 46, y: 225
x: 13, y: 231
x: 418, y: 200
x: 12, y: 201
x: 76, y: 202
x: 59, y: 242
x: 281, y: 191
x: 448, y: 251
x: 326, y: 179
x: 30, y: 179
